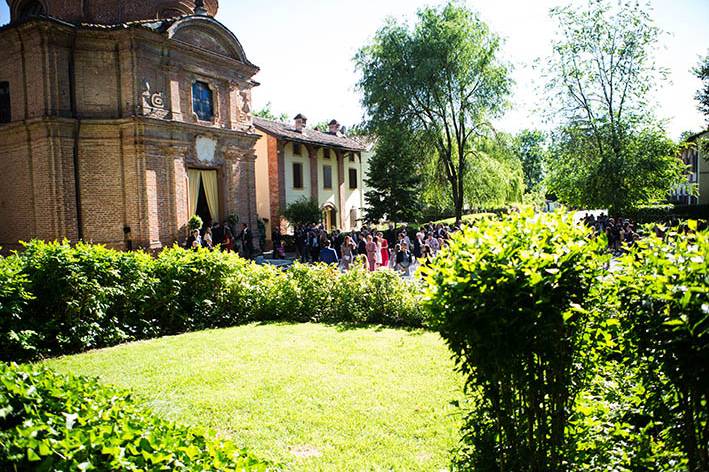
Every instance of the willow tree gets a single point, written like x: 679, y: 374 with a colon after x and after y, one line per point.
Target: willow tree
x: 441, y: 78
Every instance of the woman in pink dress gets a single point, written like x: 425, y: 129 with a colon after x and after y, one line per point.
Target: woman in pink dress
x: 371, y: 249
x: 385, y: 250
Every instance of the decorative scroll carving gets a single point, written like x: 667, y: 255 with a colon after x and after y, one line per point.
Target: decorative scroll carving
x: 154, y: 103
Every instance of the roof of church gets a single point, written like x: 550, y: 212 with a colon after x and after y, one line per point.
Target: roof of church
x: 155, y: 25
x: 307, y: 136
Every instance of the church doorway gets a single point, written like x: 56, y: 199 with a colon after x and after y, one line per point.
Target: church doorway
x: 204, y: 195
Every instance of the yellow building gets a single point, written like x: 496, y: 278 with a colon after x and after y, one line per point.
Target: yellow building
x: 696, y: 157
x: 294, y: 161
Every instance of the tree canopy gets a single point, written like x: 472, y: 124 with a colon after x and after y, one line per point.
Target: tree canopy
x: 609, y: 152
x: 441, y: 78
x: 530, y: 147
x: 702, y: 73
x: 395, y: 177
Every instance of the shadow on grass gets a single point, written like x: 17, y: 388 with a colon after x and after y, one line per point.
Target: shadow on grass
x: 350, y: 326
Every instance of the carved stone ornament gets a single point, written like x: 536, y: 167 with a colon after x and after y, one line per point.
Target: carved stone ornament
x: 153, y: 103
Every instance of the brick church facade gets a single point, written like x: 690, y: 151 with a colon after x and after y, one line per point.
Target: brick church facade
x: 119, y: 119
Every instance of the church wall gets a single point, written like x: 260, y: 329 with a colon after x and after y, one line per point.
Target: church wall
x: 102, y: 183
x: 133, y: 158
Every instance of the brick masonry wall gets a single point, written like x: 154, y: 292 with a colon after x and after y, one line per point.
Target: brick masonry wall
x: 132, y: 169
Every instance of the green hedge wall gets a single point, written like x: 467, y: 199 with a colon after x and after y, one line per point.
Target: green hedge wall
x: 55, y: 422
x: 56, y: 298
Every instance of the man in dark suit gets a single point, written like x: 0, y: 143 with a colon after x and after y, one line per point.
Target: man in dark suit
x: 247, y: 241
x: 328, y: 254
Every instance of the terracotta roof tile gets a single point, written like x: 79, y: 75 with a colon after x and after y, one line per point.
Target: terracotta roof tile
x: 307, y: 136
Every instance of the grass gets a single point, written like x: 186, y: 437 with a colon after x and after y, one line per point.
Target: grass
x: 311, y: 397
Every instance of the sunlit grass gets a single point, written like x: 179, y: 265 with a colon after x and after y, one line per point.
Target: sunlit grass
x: 312, y: 397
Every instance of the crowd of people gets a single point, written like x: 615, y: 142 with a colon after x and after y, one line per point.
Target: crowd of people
x: 221, y: 235
x: 620, y: 232
x: 402, y: 249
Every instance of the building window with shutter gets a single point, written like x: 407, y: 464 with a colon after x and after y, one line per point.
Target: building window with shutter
x: 297, y: 150
x: 326, y: 153
x: 297, y: 175
x: 5, y: 112
x: 353, y: 179
x: 327, y: 177
x: 202, y: 101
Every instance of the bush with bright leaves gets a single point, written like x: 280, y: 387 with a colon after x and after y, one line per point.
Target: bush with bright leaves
x: 663, y: 291
x: 511, y: 298
x: 56, y: 422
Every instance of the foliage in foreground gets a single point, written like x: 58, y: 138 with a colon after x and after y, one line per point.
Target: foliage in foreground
x: 664, y: 294
x: 54, y: 422
x: 510, y: 298
x: 56, y: 298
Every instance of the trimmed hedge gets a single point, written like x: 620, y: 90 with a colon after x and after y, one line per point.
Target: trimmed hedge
x: 663, y: 291
x: 55, y: 422
x: 56, y: 298
x: 512, y: 299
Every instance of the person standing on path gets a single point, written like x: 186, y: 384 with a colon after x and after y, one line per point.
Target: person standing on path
x: 371, y: 248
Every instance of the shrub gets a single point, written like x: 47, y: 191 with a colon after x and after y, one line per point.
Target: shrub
x: 83, y: 297
x: 14, y: 298
x: 666, y: 213
x: 54, y: 422
x: 664, y: 292
x: 190, y: 289
x: 303, y: 211
x: 510, y: 297
x: 56, y: 298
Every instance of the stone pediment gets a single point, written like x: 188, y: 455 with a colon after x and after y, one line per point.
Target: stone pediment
x: 208, y: 34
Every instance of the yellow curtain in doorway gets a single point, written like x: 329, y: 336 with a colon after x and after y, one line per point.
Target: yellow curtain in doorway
x: 211, y: 191
x: 195, y: 177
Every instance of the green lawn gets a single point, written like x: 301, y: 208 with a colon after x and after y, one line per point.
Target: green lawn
x: 311, y: 397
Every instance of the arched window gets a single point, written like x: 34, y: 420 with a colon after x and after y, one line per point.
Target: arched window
x: 29, y: 9
x: 202, y: 103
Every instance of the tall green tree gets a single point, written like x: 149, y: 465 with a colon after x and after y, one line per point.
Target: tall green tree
x: 610, y: 152
x: 530, y: 147
x: 442, y: 78
x: 395, y: 177
x: 702, y: 73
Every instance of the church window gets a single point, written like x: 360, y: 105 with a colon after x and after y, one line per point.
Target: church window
x: 5, y: 112
x: 202, y: 103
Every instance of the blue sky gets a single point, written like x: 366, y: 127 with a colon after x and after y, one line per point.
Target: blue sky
x: 305, y: 50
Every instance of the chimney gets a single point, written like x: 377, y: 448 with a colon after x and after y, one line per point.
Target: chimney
x: 300, y: 122
x: 334, y: 127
